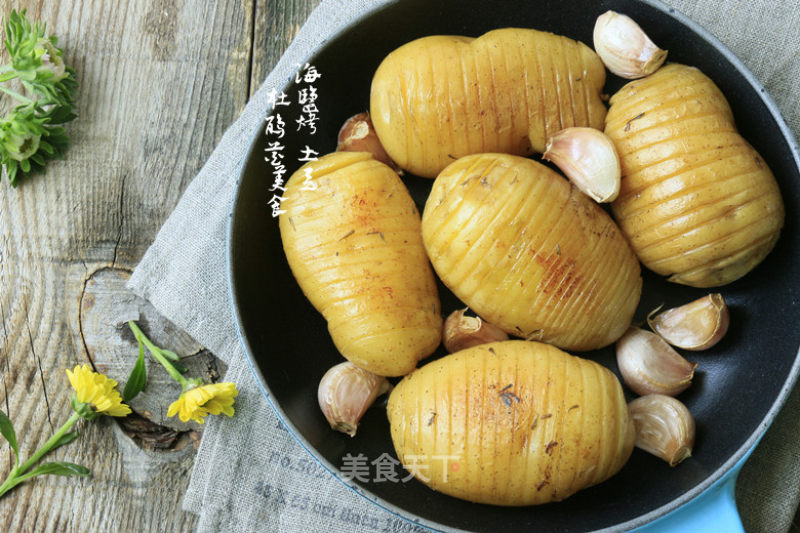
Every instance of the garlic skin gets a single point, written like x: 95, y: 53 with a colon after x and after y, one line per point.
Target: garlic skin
x: 697, y: 325
x: 462, y: 332
x: 651, y: 366
x: 345, y: 393
x: 357, y: 134
x: 664, y: 427
x: 588, y: 158
x: 624, y: 47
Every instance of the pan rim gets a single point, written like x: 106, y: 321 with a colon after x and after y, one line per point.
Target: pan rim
x: 719, y: 474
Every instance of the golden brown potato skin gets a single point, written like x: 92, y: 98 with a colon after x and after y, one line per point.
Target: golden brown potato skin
x: 438, y: 98
x: 530, y: 253
x: 354, y: 246
x: 511, y: 423
x: 697, y: 202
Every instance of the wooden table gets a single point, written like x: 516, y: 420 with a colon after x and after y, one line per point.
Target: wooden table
x: 160, y: 81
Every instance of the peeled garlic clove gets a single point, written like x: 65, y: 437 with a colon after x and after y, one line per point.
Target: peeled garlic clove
x: 358, y: 135
x: 346, y: 392
x: 664, y: 427
x: 695, y: 326
x: 651, y: 366
x: 588, y: 158
x: 624, y: 47
x: 461, y: 332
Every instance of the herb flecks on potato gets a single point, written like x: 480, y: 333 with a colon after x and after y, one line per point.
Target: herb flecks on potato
x: 352, y: 237
x: 438, y: 98
x: 530, y: 253
x: 697, y: 202
x: 511, y: 423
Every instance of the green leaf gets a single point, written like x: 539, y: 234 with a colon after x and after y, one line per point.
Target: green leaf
x: 47, y: 147
x: 59, y: 468
x: 137, y: 381
x: 11, y: 169
x: 66, y: 438
x: 7, y: 430
x: 175, y: 370
x: 169, y: 354
x: 174, y: 358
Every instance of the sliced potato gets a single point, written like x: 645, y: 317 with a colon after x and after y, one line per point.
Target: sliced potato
x: 530, y: 253
x: 441, y: 97
x: 511, y: 423
x: 697, y: 202
x: 351, y: 234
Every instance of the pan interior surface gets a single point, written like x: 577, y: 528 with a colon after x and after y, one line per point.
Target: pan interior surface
x: 738, y: 382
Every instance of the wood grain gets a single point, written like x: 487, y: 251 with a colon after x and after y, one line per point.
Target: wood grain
x: 275, y: 25
x: 160, y: 81
x: 106, y: 306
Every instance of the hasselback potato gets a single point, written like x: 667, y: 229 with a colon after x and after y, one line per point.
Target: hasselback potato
x: 351, y: 234
x: 530, y: 253
x: 511, y: 423
x: 697, y: 202
x: 441, y: 97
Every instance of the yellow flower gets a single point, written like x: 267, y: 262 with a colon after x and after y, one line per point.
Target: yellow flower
x: 197, y: 402
x: 97, y: 391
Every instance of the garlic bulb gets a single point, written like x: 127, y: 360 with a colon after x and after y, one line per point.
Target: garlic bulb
x: 624, y: 47
x: 346, y: 392
x: 695, y: 326
x: 664, y: 427
x: 461, y: 332
x: 357, y: 134
x: 651, y: 366
x: 588, y: 158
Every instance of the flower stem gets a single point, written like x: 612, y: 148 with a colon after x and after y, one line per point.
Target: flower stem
x: 155, y: 351
x: 16, y: 95
x: 17, y: 474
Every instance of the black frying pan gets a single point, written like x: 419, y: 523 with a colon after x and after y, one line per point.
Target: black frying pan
x: 741, y: 382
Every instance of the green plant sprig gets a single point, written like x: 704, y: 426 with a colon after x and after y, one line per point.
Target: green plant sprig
x: 137, y: 380
x: 22, y: 472
x: 33, y: 133
x: 93, y: 395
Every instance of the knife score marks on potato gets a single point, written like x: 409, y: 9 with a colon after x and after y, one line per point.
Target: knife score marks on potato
x: 354, y: 245
x: 519, y: 423
x: 697, y: 202
x: 529, y: 253
x: 438, y: 98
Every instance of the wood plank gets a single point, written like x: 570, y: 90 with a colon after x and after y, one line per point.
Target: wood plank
x: 104, y: 311
x: 276, y: 24
x: 159, y: 83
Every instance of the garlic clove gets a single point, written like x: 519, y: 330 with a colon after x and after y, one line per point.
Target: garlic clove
x: 664, y: 427
x: 651, y: 366
x: 357, y: 134
x: 588, y: 158
x: 345, y: 393
x: 461, y: 332
x: 624, y: 47
x: 695, y: 326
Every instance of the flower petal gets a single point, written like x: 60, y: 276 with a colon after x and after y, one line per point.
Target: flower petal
x: 97, y: 390
x: 198, y: 402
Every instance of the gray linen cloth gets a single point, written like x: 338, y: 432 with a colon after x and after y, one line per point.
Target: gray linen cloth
x: 250, y: 475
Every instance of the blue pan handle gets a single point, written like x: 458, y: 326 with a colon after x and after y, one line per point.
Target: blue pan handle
x: 713, y: 510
